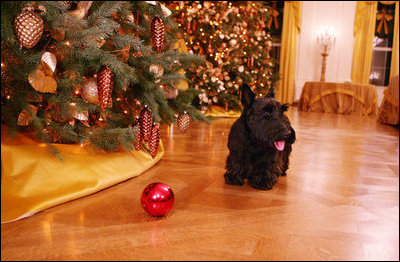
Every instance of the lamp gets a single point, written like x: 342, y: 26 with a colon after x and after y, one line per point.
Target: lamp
x: 326, y: 39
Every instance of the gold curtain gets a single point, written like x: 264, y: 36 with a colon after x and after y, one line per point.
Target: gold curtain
x: 364, y: 31
x: 290, y: 30
x: 394, y: 67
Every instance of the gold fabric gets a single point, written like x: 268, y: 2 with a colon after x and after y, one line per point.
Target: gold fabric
x: 394, y: 67
x: 341, y: 98
x: 180, y: 45
x: 32, y: 179
x: 217, y: 111
x: 290, y: 30
x: 389, y: 109
x: 364, y: 31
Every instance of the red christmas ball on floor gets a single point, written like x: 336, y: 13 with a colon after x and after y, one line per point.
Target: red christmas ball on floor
x: 157, y: 199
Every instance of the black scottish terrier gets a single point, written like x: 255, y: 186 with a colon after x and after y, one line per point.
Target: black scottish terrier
x: 260, y: 142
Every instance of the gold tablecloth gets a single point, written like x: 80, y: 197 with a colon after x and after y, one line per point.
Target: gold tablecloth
x: 340, y: 98
x: 32, y: 179
x: 389, y: 109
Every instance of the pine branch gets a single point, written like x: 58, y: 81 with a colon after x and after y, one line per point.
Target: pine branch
x: 105, y: 10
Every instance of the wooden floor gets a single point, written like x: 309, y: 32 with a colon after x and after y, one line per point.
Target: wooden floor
x: 340, y: 201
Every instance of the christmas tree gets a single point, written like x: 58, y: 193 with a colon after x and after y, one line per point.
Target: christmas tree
x: 232, y: 36
x: 92, y: 72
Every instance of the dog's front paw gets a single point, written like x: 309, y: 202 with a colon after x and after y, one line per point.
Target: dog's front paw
x: 263, y: 182
x: 232, y: 179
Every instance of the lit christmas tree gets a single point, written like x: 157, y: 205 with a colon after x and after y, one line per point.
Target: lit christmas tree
x: 232, y: 36
x: 82, y: 71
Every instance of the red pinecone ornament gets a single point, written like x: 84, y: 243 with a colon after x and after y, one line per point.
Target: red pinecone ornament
x: 105, y: 86
x: 183, y: 122
x: 154, y: 140
x: 157, y: 33
x: 138, y: 142
x: 146, y: 121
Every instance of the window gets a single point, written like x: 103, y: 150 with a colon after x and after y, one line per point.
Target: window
x: 275, y: 53
x: 382, y: 45
x: 274, y: 28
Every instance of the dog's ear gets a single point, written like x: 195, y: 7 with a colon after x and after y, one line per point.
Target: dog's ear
x: 271, y: 92
x: 292, y: 137
x: 247, y: 96
x: 285, y: 107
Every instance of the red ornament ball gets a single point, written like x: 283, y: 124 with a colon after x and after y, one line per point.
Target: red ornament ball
x: 157, y: 199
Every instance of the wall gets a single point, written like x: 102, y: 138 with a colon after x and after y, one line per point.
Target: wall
x: 338, y: 14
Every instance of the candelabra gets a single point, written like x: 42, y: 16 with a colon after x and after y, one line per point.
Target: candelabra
x: 326, y: 39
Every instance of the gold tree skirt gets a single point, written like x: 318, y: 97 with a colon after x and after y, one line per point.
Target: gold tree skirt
x: 217, y: 111
x: 33, y: 179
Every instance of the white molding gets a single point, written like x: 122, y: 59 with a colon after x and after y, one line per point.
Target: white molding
x: 382, y: 48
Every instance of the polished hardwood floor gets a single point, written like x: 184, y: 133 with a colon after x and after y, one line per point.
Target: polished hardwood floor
x: 340, y: 201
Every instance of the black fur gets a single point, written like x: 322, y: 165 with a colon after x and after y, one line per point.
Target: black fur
x: 252, y: 152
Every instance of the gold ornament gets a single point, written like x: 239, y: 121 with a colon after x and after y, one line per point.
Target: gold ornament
x: 57, y: 34
x: 25, y: 118
x: 90, y: 91
x: 83, y: 117
x: 204, y: 110
x: 157, y: 70
x: 48, y: 61
x: 130, y: 18
x: 42, y: 83
x: 41, y: 79
x: 99, y: 43
x: 67, y: 4
x: 170, y: 92
x: 80, y: 116
x: 165, y: 11
x: 28, y: 27
x: 39, y: 7
x: 81, y: 11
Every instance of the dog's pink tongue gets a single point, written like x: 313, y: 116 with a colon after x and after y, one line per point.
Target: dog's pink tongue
x: 280, y: 145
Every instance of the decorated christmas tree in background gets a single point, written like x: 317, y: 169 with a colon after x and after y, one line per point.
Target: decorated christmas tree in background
x: 232, y: 35
x: 98, y: 73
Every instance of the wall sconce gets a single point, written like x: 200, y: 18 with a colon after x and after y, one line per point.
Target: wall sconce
x: 326, y: 39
